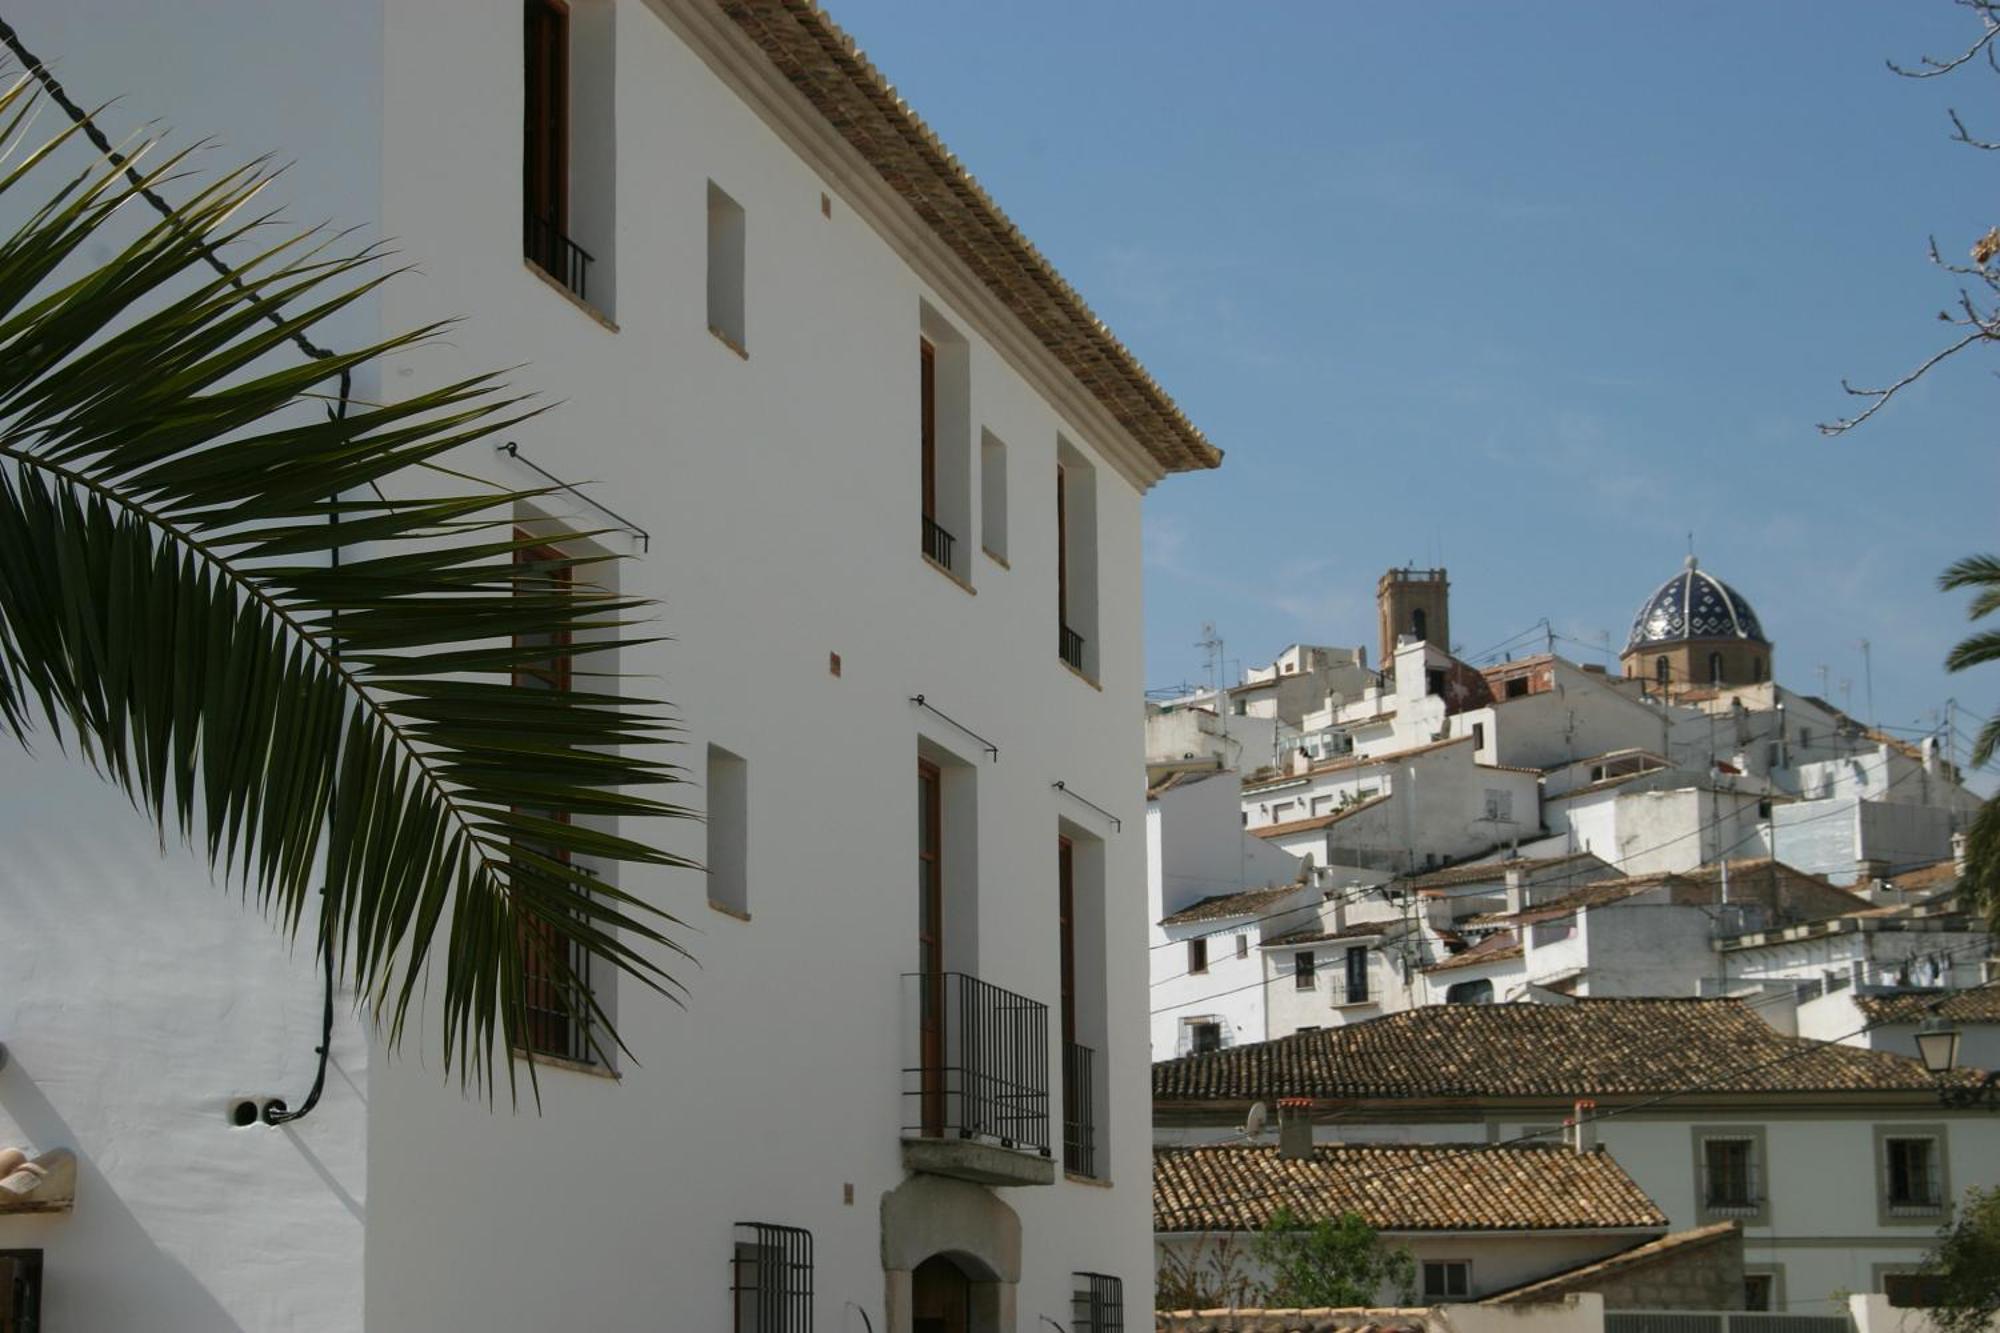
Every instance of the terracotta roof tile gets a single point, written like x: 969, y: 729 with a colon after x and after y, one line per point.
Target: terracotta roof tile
x: 1495, y: 872
x: 1587, y: 1277
x: 825, y: 65
x: 1398, y: 1187
x: 1968, y: 1006
x: 1316, y: 935
x: 1358, y: 761
x: 1493, y: 949
x: 1588, y: 1048
x: 1251, y: 902
x: 1292, y: 826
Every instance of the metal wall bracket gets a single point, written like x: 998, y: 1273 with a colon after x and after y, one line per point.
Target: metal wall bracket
x: 513, y: 450
x: 990, y: 748
x: 1117, y: 824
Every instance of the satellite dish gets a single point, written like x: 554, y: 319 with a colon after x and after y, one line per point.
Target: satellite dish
x: 1253, y: 1123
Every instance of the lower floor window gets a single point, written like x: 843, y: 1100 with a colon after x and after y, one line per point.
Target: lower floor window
x: 1912, y: 1291
x: 20, y: 1291
x: 1445, y: 1279
x: 1098, y: 1305
x: 771, y: 1279
x: 1757, y: 1291
x: 1204, y: 1036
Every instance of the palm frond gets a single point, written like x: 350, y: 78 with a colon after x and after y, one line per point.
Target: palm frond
x: 315, y: 689
x: 1987, y: 744
x: 1974, y: 650
x: 1981, y: 882
x: 1981, y: 573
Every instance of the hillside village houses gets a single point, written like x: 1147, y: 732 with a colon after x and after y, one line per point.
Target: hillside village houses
x: 788, y: 332
x: 1540, y: 828
x: 1665, y: 1154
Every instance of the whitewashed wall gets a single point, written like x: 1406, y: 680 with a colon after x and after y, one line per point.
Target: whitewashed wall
x: 139, y: 998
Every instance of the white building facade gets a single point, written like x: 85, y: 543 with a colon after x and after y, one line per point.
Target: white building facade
x: 784, y: 327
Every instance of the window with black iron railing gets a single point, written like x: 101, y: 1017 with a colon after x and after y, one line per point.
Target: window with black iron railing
x: 771, y: 1279
x: 938, y: 544
x: 1730, y: 1176
x: 1079, y: 1110
x: 981, y: 1063
x: 555, y: 254
x: 1071, y: 647
x: 1097, y: 1304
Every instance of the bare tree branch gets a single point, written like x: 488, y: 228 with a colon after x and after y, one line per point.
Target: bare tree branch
x: 1882, y: 396
x: 1931, y: 68
x: 1960, y: 133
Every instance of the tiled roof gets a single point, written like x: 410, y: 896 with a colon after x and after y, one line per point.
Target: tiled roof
x: 1315, y: 935
x: 1243, y: 1319
x: 1493, y: 949
x: 1186, y: 777
x: 825, y: 65
x: 1398, y: 1187
x: 1220, y: 906
x: 1602, y: 784
x: 1317, y: 821
x: 1358, y: 761
x: 1493, y: 872
x: 1587, y: 1277
x: 1598, y: 894
x: 1968, y: 1006
x: 1938, y: 875
x: 1588, y: 1048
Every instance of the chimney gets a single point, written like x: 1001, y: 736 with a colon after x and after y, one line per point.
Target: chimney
x: 1338, y: 899
x: 1516, y: 891
x: 1958, y: 841
x: 1295, y: 1130
x: 1301, y: 762
x: 1583, y: 1134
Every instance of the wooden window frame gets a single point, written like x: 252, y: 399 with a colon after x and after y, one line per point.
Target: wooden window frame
x: 1197, y: 956
x: 549, y: 1030
x: 545, y: 129
x: 930, y: 944
x: 1305, y: 971
x: 927, y: 434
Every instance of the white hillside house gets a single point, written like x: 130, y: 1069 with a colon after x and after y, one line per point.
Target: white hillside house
x: 883, y: 470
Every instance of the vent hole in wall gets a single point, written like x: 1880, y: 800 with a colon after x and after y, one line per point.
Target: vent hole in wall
x: 243, y: 1114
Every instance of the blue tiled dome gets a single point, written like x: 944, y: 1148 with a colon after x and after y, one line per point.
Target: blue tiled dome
x: 1693, y: 604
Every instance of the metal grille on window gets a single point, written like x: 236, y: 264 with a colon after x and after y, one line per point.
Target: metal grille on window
x: 1914, y: 1183
x: 20, y: 1291
x: 1730, y: 1176
x: 771, y: 1279
x: 1099, y: 1304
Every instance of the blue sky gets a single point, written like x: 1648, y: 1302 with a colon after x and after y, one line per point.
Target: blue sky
x: 1533, y: 290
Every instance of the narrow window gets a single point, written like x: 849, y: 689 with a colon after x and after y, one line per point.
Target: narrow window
x: 725, y: 269
x: 728, y: 831
x: 1242, y: 946
x: 1078, y: 1074
x: 1715, y: 668
x: 20, y: 1291
x: 555, y: 978
x: 1757, y: 1291
x: 1098, y: 1304
x: 1076, y: 559
x: 1479, y: 735
x: 1357, y: 974
x: 1729, y: 1171
x: 1660, y: 672
x: 1447, y: 1279
x: 545, y: 158
x: 1913, y: 1184
x: 1302, y: 971
x: 930, y: 945
x: 1757, y: 670
x: 937, y: 542
x: 1197, y: 956
x: 993, y: 496
x: 1434, y: 682
x: 1517, y: 687
x: 1420, y: 625
x: 771, y: 1278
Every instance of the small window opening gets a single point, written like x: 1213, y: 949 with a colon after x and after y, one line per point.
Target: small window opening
x: 993, y: 495
x: 728, y: 827
x: 725, y: 269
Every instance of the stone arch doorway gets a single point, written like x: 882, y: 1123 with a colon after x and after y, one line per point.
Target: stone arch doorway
x: 951, y: 1256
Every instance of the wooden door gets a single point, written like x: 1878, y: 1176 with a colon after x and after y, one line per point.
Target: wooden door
x: 940, y: 1297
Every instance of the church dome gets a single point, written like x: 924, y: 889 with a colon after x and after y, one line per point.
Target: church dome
x: 1693, y: 604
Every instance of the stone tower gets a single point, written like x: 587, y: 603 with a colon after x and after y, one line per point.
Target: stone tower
x: 1416, y: 602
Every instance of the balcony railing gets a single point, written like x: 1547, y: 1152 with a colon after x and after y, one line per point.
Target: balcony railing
x: 1072, y: 647
x: 1079, y: 1110
x: 981, y: 1064
x: 938, y: 543
x: 1721, y: 1321
x: 557, y: 255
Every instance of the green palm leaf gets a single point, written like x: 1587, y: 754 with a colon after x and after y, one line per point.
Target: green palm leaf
x: 202, y: 591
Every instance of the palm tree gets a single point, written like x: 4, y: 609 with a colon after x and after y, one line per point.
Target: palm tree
x: 1982, y: 848
x: 208, y: 591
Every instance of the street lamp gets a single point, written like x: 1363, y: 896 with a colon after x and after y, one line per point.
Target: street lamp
x: 1937, y: 1044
